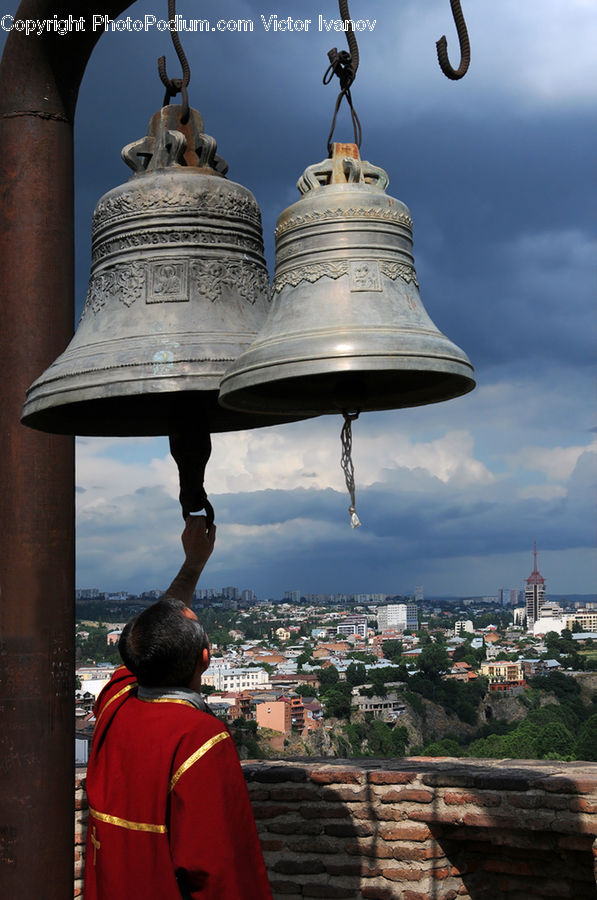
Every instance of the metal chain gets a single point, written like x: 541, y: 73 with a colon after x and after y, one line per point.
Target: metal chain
x: 465, y: 47
x: 175, y: 85
x: 344, y: 65
x: 347, y: 465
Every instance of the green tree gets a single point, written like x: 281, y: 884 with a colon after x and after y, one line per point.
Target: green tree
x: 327, y: 677
x: 392, y: 650
x: 337, y: 701
x: 434, y: 660
x: 445, y: 747
x: 586, y: 746
x: 460, y: 653
x: 554, y: 741
x: 356, y: 673
x: 491, y: 747
x: 379, y: 739
x: 305, y: 690
x: 305, y: 657
x: 522, y: 742
x: 362, y: 656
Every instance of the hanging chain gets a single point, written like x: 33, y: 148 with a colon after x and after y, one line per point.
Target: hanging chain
x: 344, y: 65
x: 347, y: 465
x: 465, y: 47
x: 175, y: 85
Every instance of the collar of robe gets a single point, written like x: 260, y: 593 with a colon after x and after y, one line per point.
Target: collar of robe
x: 176, y: 694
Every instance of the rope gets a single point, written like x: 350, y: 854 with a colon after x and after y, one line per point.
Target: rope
x: 347, y: 464
x: 176, y: 85
x: 344, y: 65
x: 465, y: 47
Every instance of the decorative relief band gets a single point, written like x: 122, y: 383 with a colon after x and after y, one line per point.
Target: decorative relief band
x: 211, y: 276
x: 399, y: 270
x: 176, y: 281
x: 361, y: 272
x: 180, y: 197
x: 126, y: 281
x: 366, y: 212
x: 144, y: 239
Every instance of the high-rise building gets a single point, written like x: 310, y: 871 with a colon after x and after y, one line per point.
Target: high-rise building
x: 412, y: 617
x: 508, y: 596
x: 534, y: 594
x: 398, y: 616
x: 353, y: 625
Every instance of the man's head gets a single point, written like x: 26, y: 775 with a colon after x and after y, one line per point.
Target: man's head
x: 164, y: 644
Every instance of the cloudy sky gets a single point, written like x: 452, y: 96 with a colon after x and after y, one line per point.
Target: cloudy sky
x: 498, y: 172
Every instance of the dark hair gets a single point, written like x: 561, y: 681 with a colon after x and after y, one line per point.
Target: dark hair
x: 161, y: 646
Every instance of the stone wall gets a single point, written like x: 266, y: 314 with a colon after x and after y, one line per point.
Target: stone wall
x: 420, y: 829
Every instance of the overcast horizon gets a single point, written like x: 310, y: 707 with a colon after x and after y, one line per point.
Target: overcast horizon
x: 498, y: 173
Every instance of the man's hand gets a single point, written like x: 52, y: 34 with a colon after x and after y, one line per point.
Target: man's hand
x: 198, y: 544
x: 198, y: 541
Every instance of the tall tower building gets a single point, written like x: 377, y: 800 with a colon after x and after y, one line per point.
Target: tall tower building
x: 534, y: 594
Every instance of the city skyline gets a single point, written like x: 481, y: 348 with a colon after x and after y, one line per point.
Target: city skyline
x: 495, y: 171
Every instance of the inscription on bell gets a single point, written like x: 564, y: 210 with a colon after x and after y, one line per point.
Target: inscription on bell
x: 168, y: 282
x: 364, y: 275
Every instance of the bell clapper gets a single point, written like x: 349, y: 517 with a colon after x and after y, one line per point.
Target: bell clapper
x: 347, y: 464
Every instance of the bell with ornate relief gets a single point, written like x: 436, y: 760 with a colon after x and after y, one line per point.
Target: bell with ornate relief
x: 178, y: 288
x: 347, y: 329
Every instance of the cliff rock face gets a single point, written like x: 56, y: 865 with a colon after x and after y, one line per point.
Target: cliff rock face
x: 505, y: 707
x: 588, y: 685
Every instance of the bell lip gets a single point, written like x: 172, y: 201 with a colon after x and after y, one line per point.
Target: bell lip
x: 149, y: 414
x: 239, y: 392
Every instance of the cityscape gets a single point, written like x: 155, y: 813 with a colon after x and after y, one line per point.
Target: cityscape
x: 378, y: 674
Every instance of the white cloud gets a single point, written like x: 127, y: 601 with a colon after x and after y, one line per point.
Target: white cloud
x: 113, y: 467
x: 556, y: 463
x: 305, y: 455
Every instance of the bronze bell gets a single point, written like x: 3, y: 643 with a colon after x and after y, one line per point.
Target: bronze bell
x: 347, y: 329
x: 178, y: 288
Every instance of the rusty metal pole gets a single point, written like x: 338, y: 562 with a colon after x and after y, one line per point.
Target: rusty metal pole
x: 39, y: 81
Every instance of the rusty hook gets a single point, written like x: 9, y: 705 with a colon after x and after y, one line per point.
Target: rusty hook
x: 465, y: 47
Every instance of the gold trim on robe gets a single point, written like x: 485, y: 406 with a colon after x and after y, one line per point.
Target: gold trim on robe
x: 166, y: 700
x: 203, y: 749
x: 116, y: 696
x: 127, y: 823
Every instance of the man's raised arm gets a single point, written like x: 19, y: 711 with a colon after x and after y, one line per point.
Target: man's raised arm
x: 198, y: 544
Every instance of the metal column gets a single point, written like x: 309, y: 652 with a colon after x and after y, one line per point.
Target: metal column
x: 39, y: 80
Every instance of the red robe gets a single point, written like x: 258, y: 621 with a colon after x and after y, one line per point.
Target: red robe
x: 169, y: 810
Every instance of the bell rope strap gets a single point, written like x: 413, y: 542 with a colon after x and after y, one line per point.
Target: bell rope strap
x: 347, y: 465
x: 344, y: 65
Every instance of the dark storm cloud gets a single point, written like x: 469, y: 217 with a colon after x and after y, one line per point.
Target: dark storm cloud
x: 497, y: 172
x: 272, y: 539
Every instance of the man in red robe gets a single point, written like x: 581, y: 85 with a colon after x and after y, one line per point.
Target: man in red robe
x: 169, y: 811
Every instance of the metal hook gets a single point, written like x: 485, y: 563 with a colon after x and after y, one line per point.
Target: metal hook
x: 465, y: 47
x: 176, y: 85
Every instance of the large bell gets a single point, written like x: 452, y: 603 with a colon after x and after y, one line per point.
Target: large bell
x: 178, y: 288
x: 347, y: 329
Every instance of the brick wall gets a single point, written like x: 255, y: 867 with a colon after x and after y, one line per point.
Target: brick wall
x: 420, y: 829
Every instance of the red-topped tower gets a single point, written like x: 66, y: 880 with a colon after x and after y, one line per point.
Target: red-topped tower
x: 534, y: 593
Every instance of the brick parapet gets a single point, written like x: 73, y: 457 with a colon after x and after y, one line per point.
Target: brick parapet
x: 420, y: 828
